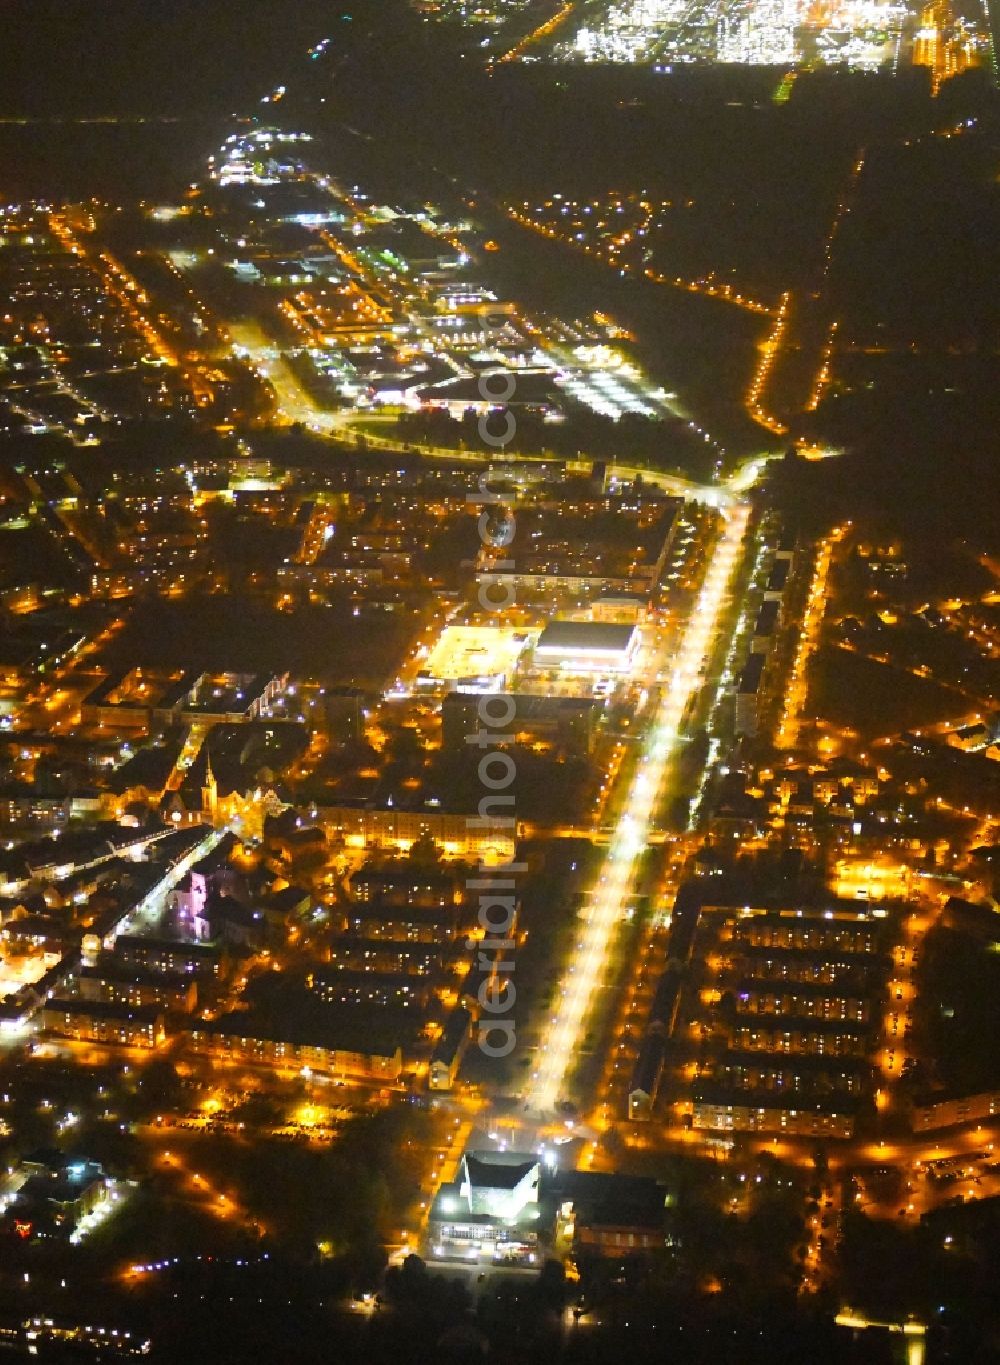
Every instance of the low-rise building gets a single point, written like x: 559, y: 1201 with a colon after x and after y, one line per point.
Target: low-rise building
x: 749, y: 693
x: 929, y: 1114
x: 719, y: 1110
x: 450, y: 1049
x: 405, y: 883
x: 104, y: 1022
x: 606, y: 1214
x: 408, y: 924
x: 568, y: 724
x: 372, y: 956
x: 56, y: 1195
x: 170, y: 956
x: 110, y: 982
x: 337, y: 1050
x: 375, y: 989
x: 392, y: 828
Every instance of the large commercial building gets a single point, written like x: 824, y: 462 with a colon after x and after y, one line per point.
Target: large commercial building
x: 502, y: 1203
x: 491, y: 1209
x: 474, y: 658
x: 587, y: 648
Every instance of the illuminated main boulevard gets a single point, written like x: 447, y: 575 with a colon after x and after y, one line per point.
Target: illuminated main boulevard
x: 616, y: 882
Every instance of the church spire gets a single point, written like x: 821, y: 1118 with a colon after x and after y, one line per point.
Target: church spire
x: 210, y: 789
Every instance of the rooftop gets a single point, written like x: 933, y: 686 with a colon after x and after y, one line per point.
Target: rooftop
x: 601, y: 637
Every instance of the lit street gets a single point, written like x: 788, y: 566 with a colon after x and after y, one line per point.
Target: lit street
x: 682, y: 674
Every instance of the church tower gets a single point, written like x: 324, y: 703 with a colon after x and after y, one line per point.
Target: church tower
x: 210, y: 792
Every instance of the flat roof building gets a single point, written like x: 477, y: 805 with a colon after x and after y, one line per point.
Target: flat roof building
x: 587, y: 647
x: 474, y: 658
